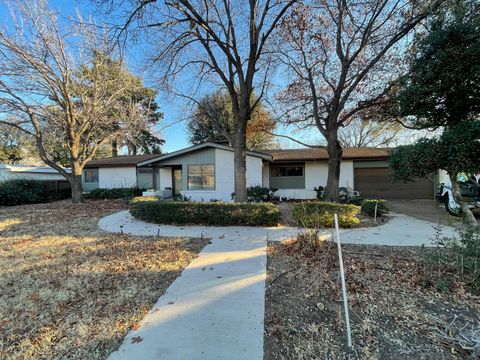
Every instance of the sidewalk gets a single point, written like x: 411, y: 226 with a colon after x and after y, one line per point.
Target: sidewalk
x: 215, y: 309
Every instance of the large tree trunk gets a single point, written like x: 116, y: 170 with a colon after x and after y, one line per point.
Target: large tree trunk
x: 240, y: 171
x: 335, y: 153
x: 114, y: 147
x: 467, y: 213
x: 132, y: 149
x: 76, y: 184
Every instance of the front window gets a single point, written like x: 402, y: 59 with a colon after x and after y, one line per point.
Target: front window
x: 201, y: 177
x: 286, y: 171
x: 145, y: 171
x: 91, y: 176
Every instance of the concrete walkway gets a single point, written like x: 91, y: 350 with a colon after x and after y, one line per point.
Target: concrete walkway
x: 400, y: 230
x: 215, y: 309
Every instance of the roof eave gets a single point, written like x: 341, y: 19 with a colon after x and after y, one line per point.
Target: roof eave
x: 95, y: 166
x: 199, y: 147
x: 361, y: 158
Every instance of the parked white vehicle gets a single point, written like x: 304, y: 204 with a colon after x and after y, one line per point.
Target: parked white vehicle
x: 469, y: 189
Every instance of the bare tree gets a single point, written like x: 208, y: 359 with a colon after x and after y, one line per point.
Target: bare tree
x: 221, y: 42
x: 368, y: 133
x: 341, y: 56
x: 213, y: 120
x: 54, y: 87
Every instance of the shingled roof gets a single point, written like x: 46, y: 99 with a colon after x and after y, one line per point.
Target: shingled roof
x: 277, y: 155
x: 119, y: 161
x: 321, y: 154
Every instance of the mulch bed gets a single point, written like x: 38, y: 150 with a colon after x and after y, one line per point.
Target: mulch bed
x: 396, y: 310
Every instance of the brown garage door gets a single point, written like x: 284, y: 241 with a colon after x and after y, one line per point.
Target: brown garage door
x: 378, y: 183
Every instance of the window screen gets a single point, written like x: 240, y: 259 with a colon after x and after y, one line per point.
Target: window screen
x: 91, y: 176
x: 201, y: 177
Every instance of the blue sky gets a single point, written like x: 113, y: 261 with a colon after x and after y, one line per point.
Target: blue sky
x: 173, y: 127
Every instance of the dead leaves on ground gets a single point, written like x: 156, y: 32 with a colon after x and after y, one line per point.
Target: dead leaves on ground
x: 394, y: 308
x: 71, y: 290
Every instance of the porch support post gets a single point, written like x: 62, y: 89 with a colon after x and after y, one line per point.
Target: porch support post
x: 154, y: 177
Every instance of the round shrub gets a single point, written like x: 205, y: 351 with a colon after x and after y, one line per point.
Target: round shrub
x: 17, y: 192
x: 319, y: 214
x: 368, y: 207
x: 153, y: 210
x: 258, y: 193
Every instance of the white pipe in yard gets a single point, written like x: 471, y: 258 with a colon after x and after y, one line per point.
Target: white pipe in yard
x: 376, y: 207
x: 344, y: 286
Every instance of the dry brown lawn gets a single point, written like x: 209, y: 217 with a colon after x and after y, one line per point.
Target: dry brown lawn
x: 72, y: 291
x: 396, y: 311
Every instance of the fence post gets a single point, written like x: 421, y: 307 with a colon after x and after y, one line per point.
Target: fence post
x: 344, y: 286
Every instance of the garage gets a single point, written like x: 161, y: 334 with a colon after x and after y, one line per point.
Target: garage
x: 378, y: 183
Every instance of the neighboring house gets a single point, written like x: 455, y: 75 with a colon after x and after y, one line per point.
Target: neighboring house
x: 31, y: 172
x: 206, y: 172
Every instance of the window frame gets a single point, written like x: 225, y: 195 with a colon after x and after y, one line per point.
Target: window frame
x: 301, y: 166
x: 86, y: 180
x: 201, y: 178
x: 145, y: 171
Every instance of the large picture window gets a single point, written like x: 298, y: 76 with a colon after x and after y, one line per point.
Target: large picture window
x: 91, y: 175
x: 286, y: 171
x: 201, y: 177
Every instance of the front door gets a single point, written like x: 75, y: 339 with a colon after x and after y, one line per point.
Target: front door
x: 177, y: 181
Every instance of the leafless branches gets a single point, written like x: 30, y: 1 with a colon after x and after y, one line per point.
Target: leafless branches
x: 341, y: 57
x: 370, y: 133
x: 219, y: 42
x: 60, y: 86
x: 461, y: 332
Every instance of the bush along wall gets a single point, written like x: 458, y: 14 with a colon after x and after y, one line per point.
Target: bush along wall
x: 368, y: 207
x: 319, y: 214
x: 17, y: 192
x: 115, y: 193
x: 152, y: 210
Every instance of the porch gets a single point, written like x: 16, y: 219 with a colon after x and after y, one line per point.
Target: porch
x: 163, y: 181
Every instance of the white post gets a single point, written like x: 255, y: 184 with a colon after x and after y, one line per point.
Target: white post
x: 344, y: 286
x: 375, y: 215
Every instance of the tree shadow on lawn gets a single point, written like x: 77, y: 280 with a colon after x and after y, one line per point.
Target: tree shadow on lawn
x: 69, y: 290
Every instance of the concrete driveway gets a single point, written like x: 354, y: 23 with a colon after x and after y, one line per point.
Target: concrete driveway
x: 423, y: 209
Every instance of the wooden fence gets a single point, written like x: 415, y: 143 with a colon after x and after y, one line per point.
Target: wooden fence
x: 57, y: 189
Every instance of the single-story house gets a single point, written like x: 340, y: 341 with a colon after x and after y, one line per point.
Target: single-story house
x: 30, y: 172
x: 206, y: 172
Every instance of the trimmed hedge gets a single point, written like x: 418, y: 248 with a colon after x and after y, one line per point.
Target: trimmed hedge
x: 318, y: 214
x: 355, y: 201
x: 368, y: 207
x: 18, y: 192
x: 151, y: 209
x: 115, y: 193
